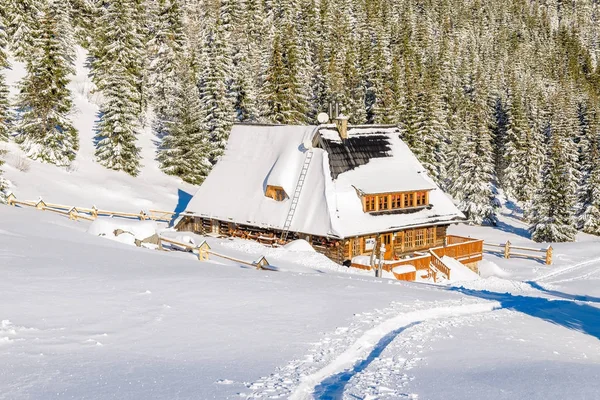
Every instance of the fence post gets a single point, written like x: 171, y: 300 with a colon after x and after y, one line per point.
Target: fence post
x: 549, y: 255
x: 507, y: 249
x: 10, y: 199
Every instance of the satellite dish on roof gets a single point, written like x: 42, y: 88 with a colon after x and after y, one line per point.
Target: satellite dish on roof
x: 323, y: 118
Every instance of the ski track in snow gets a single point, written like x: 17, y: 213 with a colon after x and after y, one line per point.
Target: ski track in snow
x: 347, y: 351
x: 571, y: 268
x: 387, y: 374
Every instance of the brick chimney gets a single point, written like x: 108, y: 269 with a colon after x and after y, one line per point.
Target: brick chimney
x: 341, y: 123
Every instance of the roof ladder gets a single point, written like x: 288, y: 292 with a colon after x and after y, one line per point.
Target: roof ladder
x: 296, y: 197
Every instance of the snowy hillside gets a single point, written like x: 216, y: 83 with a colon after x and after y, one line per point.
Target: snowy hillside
x: 85, y: 182
x: 84, y: 317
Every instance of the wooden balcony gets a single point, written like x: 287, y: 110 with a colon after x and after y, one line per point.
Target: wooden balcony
x: 466, y: 250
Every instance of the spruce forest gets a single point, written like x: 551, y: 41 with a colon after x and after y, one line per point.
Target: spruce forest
x: 495, y: 97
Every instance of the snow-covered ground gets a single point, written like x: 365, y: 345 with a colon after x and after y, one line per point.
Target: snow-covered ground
x: 85, y: 317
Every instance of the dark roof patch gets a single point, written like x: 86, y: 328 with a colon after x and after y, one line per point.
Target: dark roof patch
x: 355, y: 151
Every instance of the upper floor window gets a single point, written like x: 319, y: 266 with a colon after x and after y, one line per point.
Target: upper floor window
x: 395, y: 201
x: 370, y: 203
x: 383, y: 202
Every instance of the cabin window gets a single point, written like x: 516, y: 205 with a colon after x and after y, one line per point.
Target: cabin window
x: 430, y: 236
x: 408, y: 200
x: 396, y: 201
x: 369, y: 203
x: 419, y: 237
x: 408, y: 238
x: 383, y: 202
x: 276, y: 193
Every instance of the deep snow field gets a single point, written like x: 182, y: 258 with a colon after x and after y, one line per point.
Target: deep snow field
x: 84, y: 317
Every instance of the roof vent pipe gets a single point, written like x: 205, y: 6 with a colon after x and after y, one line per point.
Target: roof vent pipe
x: 341, y: 123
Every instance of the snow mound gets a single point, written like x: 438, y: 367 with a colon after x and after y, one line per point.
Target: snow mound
x: 498, y: 285
x: 299, y: 245
x: 458, y: 271
x: 122, y: 230
x: 488, y: 269
x: 404, y: 269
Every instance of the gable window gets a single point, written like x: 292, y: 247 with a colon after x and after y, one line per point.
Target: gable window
x: 276, y: 193
x: 383, y: 202
x: 408, y: 200
x: 370, y: 203
x: 396, y: 201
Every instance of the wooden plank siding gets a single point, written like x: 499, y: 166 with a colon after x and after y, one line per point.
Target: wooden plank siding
x: 403, y: 243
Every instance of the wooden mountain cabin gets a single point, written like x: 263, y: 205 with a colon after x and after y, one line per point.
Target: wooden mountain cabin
x: 350, y: 191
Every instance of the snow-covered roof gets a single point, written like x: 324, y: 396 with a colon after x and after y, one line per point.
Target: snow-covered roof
x: 371, y: 160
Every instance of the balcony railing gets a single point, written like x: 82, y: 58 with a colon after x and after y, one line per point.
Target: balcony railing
x: 464, y: 249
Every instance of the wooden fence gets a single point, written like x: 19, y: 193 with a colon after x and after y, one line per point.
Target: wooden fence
x: 90, y: 214
x: 508, y: 250
x: 203, y: 250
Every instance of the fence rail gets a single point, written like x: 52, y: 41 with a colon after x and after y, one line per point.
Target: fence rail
x: 203, y: 250
x: 507, y: 248
x: 76, y: 213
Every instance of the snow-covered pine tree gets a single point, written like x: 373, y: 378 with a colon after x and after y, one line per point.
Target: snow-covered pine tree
x: 44, y: 128
x: 353, y: 102
x: 23, y: 18
x: 247, y: 64
x: 282, y: 92
x: 4, y: 103
x: 164, y: 49
x: 215, y: 81
x: 118, y: 123
x: 521, y: 158
x: 552, y: 214
x: 115, y: 70
x: 5, y: 120
x: 473, y: 184
x: 432, y: 126
x: 408, y: 111
x: 588, y: 218
x: 186, y: 150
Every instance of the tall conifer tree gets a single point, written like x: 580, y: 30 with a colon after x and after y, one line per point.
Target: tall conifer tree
x: 44, y: 129
x: 115, y: 70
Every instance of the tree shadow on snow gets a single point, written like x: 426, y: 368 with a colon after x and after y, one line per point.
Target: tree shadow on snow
x: 563, y: 295
x: 579, y: 317
x: 504, y: 227
x: 333, y: 387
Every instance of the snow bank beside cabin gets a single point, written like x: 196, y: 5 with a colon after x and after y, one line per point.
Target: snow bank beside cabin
x: 458, y: 271
x: 299, y: 245
x: 124, y: 231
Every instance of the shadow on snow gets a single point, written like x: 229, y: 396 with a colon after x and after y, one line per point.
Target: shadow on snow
x: 579, y: 317
x: 563, y: 295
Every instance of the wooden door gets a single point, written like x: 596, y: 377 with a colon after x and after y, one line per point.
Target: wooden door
x: 387, y: 241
